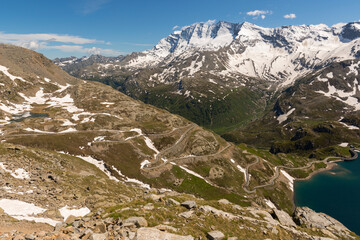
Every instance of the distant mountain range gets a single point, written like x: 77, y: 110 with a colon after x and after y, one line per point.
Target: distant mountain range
x: 279, y: 55
x: 230, y: 77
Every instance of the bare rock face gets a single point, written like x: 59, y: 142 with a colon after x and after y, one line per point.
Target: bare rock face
x: 284, y: 218
x: 155, y: 234
x: 309, y: 218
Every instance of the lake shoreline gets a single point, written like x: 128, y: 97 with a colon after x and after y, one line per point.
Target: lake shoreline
x: 329, y: 166
x: 319, y: 194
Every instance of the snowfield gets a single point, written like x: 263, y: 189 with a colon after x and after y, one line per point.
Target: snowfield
x: 282, y: 118
x: 25, y: 211
x: 19, y: 173
x: 67, y: 211
x: 290, y: 178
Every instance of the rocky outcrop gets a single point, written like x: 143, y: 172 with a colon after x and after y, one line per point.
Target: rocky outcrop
x: 284, y: 218
x: 100, y: 229
x: 218, y: 213
x: 309, y: 218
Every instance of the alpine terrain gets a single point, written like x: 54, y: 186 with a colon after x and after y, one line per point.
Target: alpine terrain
x: 83, y: 160
x: 224, y: 75
x: 80, y: 160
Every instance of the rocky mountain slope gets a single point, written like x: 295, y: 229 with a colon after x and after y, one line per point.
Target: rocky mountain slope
x: 70, y: 147
x: 320, y: 111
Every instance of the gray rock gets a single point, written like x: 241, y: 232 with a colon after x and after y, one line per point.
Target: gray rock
x: 155, y: 234
x: 138, y: 221
x: 98, y: 236
x: 109, y: 221
x: 70, y: 219
x: 29, y: 237
x: 149, y: 206
x: 132, y: 235
x: 166, y: 228
x: 173, y: 201
x: 100, y: 227
x: 187, y: 214
x: 78, y: 223
x: 217, y: 212
x: 156, y: 198
x: 88, y: 233
x: 224, y: 201
x: 19, y: 237
x: 189, y: 204
x: 58, y: 226
x: 274, y: 231
x: 215, y: 235
x: 284, y: 218
x: 309, y: 218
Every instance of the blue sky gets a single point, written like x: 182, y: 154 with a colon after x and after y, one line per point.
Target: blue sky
x: 62, y: 28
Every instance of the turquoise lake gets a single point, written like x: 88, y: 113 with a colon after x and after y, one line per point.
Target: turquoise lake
x: 335, y: 192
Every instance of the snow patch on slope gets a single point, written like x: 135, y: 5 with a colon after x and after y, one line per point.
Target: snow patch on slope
x: 290, y: 178
x: 283, y: 117
x: 18, y: 173
x: 25, y: 211
x: 5, y: 71
x: 67, y: 211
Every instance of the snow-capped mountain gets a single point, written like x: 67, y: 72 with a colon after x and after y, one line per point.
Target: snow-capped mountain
x: 278, y: 54
x: 206, y: 70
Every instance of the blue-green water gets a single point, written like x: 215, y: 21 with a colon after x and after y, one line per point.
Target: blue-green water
x: 335, y: 192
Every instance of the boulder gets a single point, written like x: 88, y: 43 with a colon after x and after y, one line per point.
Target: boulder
x: 149, y: 207
x: 155, y: 197
x: 166, y: 228
x: 215, y: 235
x: 98, y: 236
x: 155, y: 234
x: 174, y: 202
x: 70, y: 219
x: 189, y: 204
x: 217, y: 212
x: 284, y: 218
x: 30, y: 237
x: 138, y: 221
x: 100, y: 227
x: 187, y: 214
x: 224, y: 201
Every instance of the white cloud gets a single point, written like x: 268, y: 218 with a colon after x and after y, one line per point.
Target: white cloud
x: 82, y: 49
x: 290, y: 16
x: 64, y: 43
x: 175, y: 27
x: 93, y: 6
x: 33, y: 45
x: 46, y: 37
x: 259, y: 13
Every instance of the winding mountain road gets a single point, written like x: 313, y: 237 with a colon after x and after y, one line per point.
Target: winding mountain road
x: 277, y: 170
